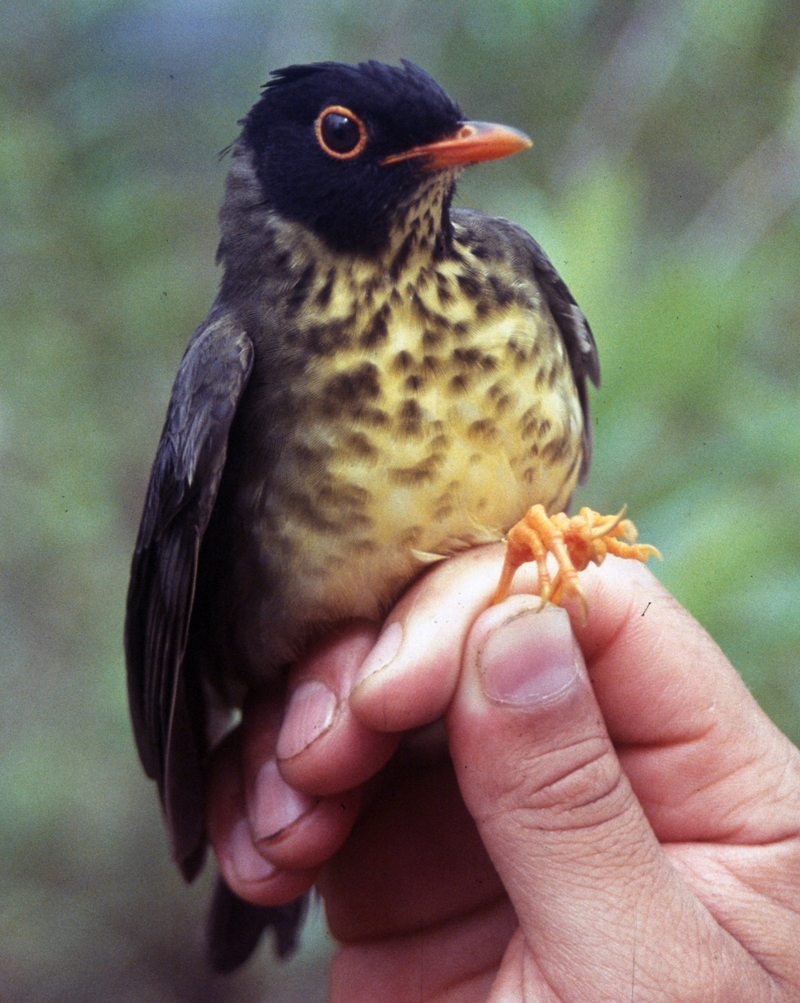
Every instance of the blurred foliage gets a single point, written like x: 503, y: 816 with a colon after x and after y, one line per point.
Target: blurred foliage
x: 665, y: 184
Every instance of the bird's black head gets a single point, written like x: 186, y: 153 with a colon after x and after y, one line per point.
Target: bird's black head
x: 320, y: 134
x: 343, y: 149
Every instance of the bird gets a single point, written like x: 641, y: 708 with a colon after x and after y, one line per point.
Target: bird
x: 382, y: 381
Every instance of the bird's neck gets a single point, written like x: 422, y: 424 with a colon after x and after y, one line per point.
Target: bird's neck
x: 259, y: 247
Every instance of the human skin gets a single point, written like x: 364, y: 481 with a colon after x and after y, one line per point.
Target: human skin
x: 611, y: 818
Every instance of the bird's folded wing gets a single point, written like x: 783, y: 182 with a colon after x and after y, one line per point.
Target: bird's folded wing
x: 165, y: 706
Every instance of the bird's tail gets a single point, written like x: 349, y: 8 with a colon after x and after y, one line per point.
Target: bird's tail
x: 234, y: 927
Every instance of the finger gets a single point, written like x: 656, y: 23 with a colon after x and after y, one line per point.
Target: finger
x: 246, y: 870
x: 410, y: 676
x: 589, y: 882
x: 290, y: 829
x: 322, y: 747
x: 702, y: 757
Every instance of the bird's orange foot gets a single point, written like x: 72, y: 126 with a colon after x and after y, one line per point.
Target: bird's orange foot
x: 574, y: 542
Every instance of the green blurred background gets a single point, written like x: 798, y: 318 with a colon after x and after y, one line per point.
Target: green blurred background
x: 665, y: 185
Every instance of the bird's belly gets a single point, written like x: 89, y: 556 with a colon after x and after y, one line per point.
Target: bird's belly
x: 412, y: 454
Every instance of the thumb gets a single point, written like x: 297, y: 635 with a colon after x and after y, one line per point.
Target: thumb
x: 591, y: 887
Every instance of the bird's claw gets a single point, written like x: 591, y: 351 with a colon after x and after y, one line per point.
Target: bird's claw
x: 574, y: 542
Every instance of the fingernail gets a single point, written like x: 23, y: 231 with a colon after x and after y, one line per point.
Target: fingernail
x: 309, y: 714
x: 247, y: 862
x: 274, y: 805
x: 530, y: 659
x: 386, y: 647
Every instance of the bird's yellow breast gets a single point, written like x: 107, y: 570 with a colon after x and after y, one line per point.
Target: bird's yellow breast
x: 444, y: 409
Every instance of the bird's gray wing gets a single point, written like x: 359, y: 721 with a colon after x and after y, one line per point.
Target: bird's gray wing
x: 166, y: 706
x: 497, y: 235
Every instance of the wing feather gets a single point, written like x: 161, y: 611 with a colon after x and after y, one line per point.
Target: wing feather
x: 166, y: 707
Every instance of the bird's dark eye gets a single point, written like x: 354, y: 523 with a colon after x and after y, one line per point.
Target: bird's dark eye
x: 340, y: 132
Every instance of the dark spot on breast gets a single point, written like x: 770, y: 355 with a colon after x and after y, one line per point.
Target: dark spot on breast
x: 466, y: 358
x: 349, y: 391
x: 483, y: 430
x: 359, y: 445
x: 400, y: 259
x: 555, y: 450
x: 432, y: 339
x: 336, y: 507
x: 502, y: 293
x: 556, y: 371
x: 300, y: 290
x: 514, y: 349
x: 409, y: 418
x: 423, y: 471
x: 372, y: 416
x: 502, y: 404
x: 529, y: 421
x: 460, y: 329
x: 281, y: 261
x: 395, y: 298
x: 445, y: 499
x: 440, y: 247
x: 325, y: 339
x: 528, y: 427
x: 443, y: 290
x: 403, y: 361
x: 343, y: 495
x: 307, y: 457
x: 469, y: 285
x: 411, y: 536
x: 458, y: 384
x: 418, y: 305
x: 439, y: 320
x: 413, y: 384
x: 474, y: 359
x: 323, y: 297
x: 432, y: 364
x: 377, y: 330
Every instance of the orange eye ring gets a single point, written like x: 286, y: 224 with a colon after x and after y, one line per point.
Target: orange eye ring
x: 321, y: 127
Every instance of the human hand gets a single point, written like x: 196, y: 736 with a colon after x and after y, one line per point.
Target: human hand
x: 636, y: 838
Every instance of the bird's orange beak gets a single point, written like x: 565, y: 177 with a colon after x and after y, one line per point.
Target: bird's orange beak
x: 473, y: 142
